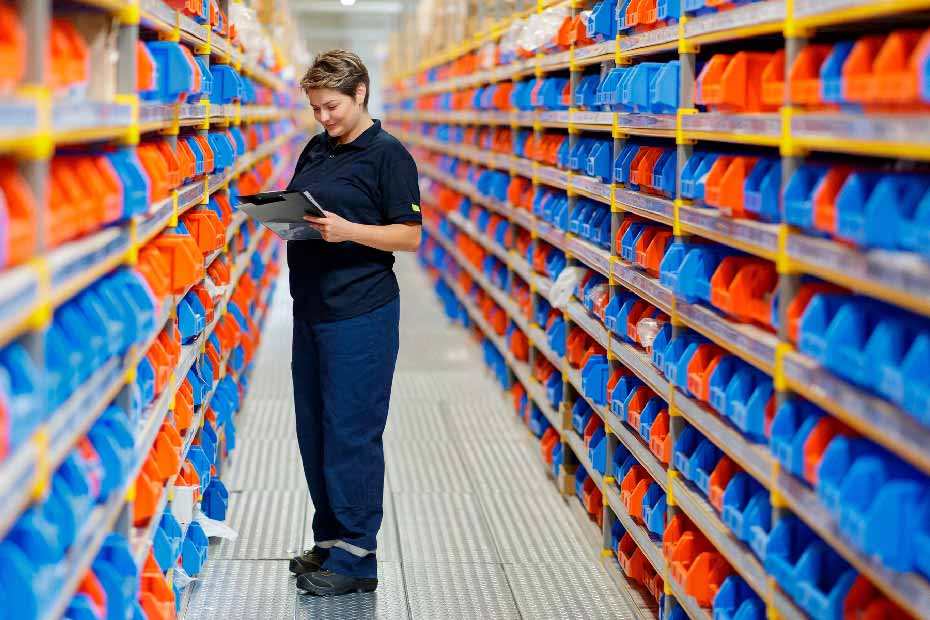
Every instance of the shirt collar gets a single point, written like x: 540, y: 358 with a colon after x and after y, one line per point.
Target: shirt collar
x: 360, y: 142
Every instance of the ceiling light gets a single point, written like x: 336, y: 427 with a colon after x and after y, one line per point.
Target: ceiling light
x: 346, y: 2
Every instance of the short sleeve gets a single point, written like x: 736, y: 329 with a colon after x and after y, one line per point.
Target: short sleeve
x: 400, y: 189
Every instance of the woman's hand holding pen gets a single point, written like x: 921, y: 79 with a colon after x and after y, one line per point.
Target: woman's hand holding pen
x: 333, y: 228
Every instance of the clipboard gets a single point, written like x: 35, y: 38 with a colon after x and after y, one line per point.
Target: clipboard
x: 283, y: 213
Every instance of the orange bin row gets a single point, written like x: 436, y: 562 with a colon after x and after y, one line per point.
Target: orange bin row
x: 695, y: 564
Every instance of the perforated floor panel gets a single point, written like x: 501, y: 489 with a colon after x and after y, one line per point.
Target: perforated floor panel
x: 472, y: 528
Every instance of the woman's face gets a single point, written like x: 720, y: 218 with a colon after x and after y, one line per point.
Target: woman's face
x: 337, y: 112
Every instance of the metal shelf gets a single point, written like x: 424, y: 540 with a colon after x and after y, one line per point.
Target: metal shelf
x: 591, y: 188
x: 576, y: 444
x: 753, y: 458
x: 594, y: 257
x: 643, y: 285
x: 634, y: 443
x: 651, y: 42
x: 747, y: 341
x: 742, y: 22
x: 77, y: 264
x: 875, y: 418
x: 640, y: 363
x: 651, y: 547
x: 901, y: 278
x: 751, y: 129
x: 902, y: 135
x: 909, y: 590
x: 651, y: 207
x: 703, y: 515
x: 594, y: 54
x: 552, y: 176
x: 694, y: 611
x: 819, y: 13
x: 556, y: 62
x: 551, y: 234
x: 90, y: 121
x: 541, y: 342
x: 756, y: 238
x: 591, y: 324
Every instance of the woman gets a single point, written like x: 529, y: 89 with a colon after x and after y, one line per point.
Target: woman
x: 346, y: 314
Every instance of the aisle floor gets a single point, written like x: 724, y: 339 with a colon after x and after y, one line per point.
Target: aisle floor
x: 473, y: 527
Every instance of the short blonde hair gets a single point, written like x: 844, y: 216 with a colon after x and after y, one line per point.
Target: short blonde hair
x: 338, y: 70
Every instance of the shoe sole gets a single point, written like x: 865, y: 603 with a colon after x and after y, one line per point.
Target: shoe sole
x: 362, y: 589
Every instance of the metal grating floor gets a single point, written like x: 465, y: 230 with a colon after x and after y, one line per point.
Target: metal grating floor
x: 473, y: 526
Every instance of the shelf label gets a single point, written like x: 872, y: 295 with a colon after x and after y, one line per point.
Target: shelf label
x: 523, y: 167
x: 759, y: 235
x: 664, y: 122
x: 157, y: 219
x: 554, y: 116
x: 524, y: 117
x: 586, y: 117
x: 660, y: 36
x: 750, y: 15
x: 592, y: 186
x: 902, y: 271
x: 747, y: 339
x: 644, y: 202
x: 598, y: 49
x: 768, y: 125
x: 641, y: 364
x: 19, y: 292
x: 77, y: 258
x: 910, y: 129
x: 553, y: 176
x: 556, y: 59
x: 596, y: 258
x: 523, y: 217
x: 643, y: 284
x: 90, y: 115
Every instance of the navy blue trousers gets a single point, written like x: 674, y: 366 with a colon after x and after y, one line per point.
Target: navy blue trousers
x: 342, y: 373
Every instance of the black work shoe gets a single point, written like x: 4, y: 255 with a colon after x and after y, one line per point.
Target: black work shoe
x: 309, y: 561
x: 327, y: 583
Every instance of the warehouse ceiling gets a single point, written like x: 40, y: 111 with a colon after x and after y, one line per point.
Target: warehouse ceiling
x: 364, y: 27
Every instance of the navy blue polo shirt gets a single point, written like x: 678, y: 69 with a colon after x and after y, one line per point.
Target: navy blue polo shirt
x: 372, y: 180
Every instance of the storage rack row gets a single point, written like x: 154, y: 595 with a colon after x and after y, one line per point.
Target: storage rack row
x: 133, y: 292
x: 518, y: 196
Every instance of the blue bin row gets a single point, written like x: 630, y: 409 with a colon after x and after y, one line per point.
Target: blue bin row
x: 497, y: 272
x: 734, y: 388
x: 176, y: 77
x: 644, y: 88
x: 871, y: 208
x: 740, y: 185
x: 871, y: 344
x: 654, y: 503
x: 100, y: 323
x: 743, y: 502
x: 520, y: 138
x: 590, y: 156
x: 583, y: 418
x: 493, y: 184
x: 643, y: 167
x: 540, y: 93
x: 878, y: 501
x: 32, y: 554
x: 450, y: 302
x: 807, y: 569
x: 118, y: 577
x: 735, y: 600
x: 497, y: 363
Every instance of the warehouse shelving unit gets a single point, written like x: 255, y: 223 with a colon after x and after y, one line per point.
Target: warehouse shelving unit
x: 33, y: 126
x: 887, y: 276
